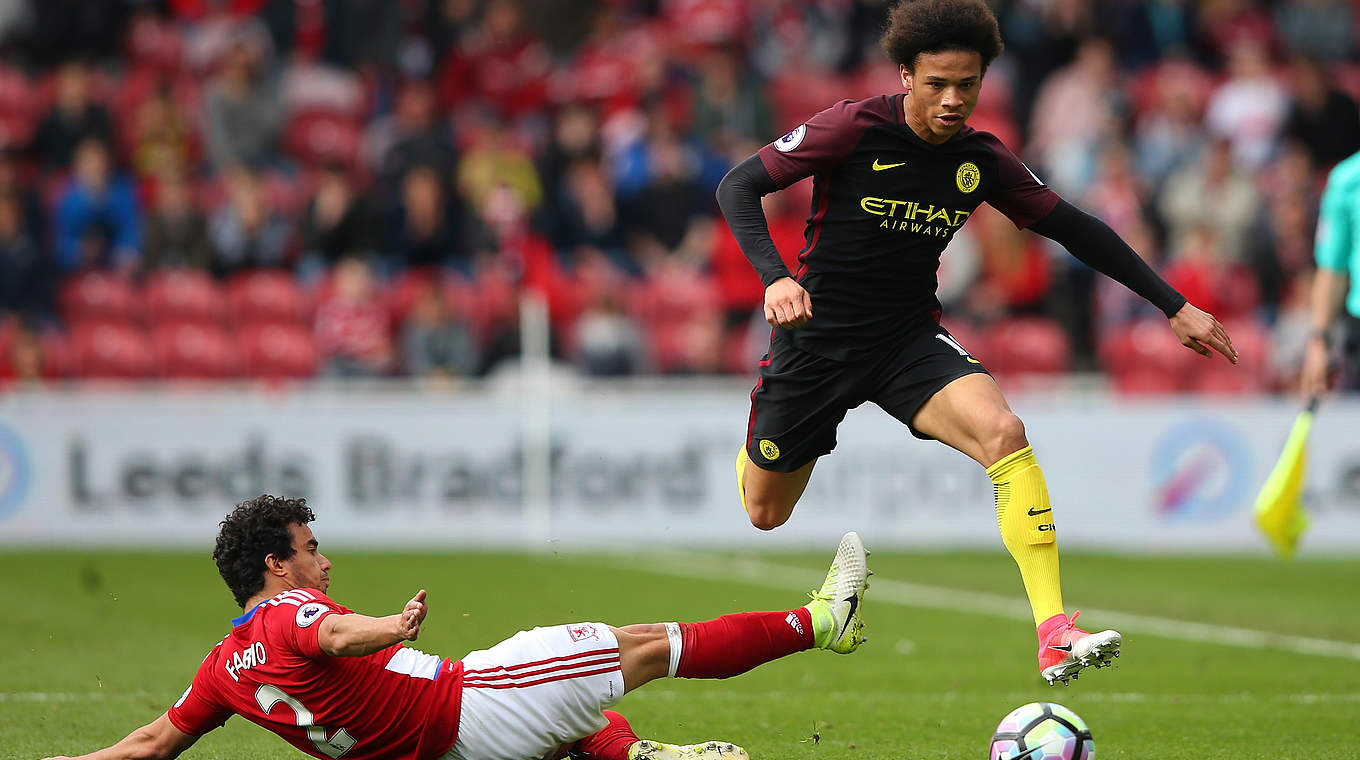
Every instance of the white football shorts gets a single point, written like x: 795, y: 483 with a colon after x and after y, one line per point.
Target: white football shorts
x: 536, y: 691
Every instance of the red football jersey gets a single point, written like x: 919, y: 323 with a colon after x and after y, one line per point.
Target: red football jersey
x: 395, y: 703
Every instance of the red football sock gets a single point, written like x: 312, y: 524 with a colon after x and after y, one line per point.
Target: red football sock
x: 733, y: 644
x: 609, y: 743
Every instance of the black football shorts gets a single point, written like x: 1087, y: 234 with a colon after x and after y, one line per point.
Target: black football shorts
x: 801, y: 398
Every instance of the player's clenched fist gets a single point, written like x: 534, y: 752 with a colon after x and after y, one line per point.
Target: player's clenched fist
x: 787, y: 304
x: 413, y: 615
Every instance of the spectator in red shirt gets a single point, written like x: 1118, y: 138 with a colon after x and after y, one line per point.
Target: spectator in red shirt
x: 351, y: 325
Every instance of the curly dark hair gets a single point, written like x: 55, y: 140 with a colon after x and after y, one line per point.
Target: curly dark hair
x: 257, y: 528
x: 934, y: 26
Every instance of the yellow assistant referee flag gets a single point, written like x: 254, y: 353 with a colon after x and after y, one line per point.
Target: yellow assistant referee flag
x: 1279, y: 511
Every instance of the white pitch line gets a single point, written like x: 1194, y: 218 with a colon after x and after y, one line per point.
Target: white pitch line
x: 791, y: 577
x: 666, y: 695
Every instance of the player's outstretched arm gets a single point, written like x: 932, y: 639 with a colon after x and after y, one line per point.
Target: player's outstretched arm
x: 157, y: 740
x: 1093, y: 243
x: 356, y: 635
x: 1199, y: 331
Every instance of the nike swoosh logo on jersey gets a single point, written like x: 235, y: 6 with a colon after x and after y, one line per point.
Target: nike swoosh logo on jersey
x: 1033, y: 511
x: 974, y: 361
x: 880, y: 167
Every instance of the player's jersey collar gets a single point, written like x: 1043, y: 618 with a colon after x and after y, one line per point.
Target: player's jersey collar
x: 246, y: 616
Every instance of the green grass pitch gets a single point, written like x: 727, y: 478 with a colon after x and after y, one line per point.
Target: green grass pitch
x: 98, y: 643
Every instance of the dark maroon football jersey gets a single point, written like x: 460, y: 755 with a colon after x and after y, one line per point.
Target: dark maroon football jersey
x: 884, y: 205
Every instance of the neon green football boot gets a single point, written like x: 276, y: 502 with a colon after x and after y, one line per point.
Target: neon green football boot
x: 835, y: 607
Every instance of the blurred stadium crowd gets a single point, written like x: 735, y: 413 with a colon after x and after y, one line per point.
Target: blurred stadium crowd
x: 362, y: 188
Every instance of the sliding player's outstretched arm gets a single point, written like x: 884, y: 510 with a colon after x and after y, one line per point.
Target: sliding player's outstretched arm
x: 1093, y: 243
x: 355, y: 635
x: 157, y: 740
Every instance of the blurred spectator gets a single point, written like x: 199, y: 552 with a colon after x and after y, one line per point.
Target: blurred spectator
x: 414, y: 134
x: 12, y: 182
x: 672, y: 217
x: 1205, y: 273
x: 97, y: 222
x: 586, y: 219
x: 1321, y: 117
x: 176, y: 232
x: 337, y: 222
x: 1249, y: 109
x: 421, y: 233
x: 575, y: 137
x: 246, y: 232
x: 495, y: 160
x: 27, y: 278
x: 1323, y: 28
x: 74, y: 118
x: 730, y: 104
x: 1213, y: 193
x: 434, y: 343
x: 1078, y: 108
x: 1169, y: 133
x: 163, y: 137
x: 351, y: 324
x: 609, y: 343
x: 501, y: 66
x: 243, y: 110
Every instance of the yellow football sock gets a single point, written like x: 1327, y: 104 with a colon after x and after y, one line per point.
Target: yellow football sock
x: 1025, y: 517
x: 742, y: 460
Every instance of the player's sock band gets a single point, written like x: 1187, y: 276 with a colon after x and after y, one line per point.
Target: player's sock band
x: 733, y: 644
x: 823, y: 622
x: 609, y: 743
x: 677, y: 641
x: 1025, y: 517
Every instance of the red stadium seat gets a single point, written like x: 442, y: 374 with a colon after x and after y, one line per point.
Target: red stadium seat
x: 278, y: 351
x: 112, y: 350
x: 1140, y: 382
x: 268, y: 296
x: 1147, y: 345
x: 1028, y: 346
x: 184, y: 296
x: 99, y: 297
x: 195, y: 350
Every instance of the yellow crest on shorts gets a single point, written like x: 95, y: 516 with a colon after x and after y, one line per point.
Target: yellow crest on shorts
x: 967, y: 177
x: 768, y: 449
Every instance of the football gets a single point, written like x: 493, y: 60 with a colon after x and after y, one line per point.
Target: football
x: 1042, y: 731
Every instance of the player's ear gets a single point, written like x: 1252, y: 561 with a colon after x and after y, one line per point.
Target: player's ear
x: 273, y: 565
x: 906, y: 75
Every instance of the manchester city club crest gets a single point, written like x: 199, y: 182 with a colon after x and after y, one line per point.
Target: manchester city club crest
x: 968, y: 177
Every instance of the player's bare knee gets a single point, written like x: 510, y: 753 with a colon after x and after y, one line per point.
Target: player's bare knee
x: 1005, y: 436
x: 766, y: 516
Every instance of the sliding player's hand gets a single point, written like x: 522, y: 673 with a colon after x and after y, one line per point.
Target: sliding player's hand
x: 1199, y: 331
x: 787, y: 304
x: 413, y: 615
